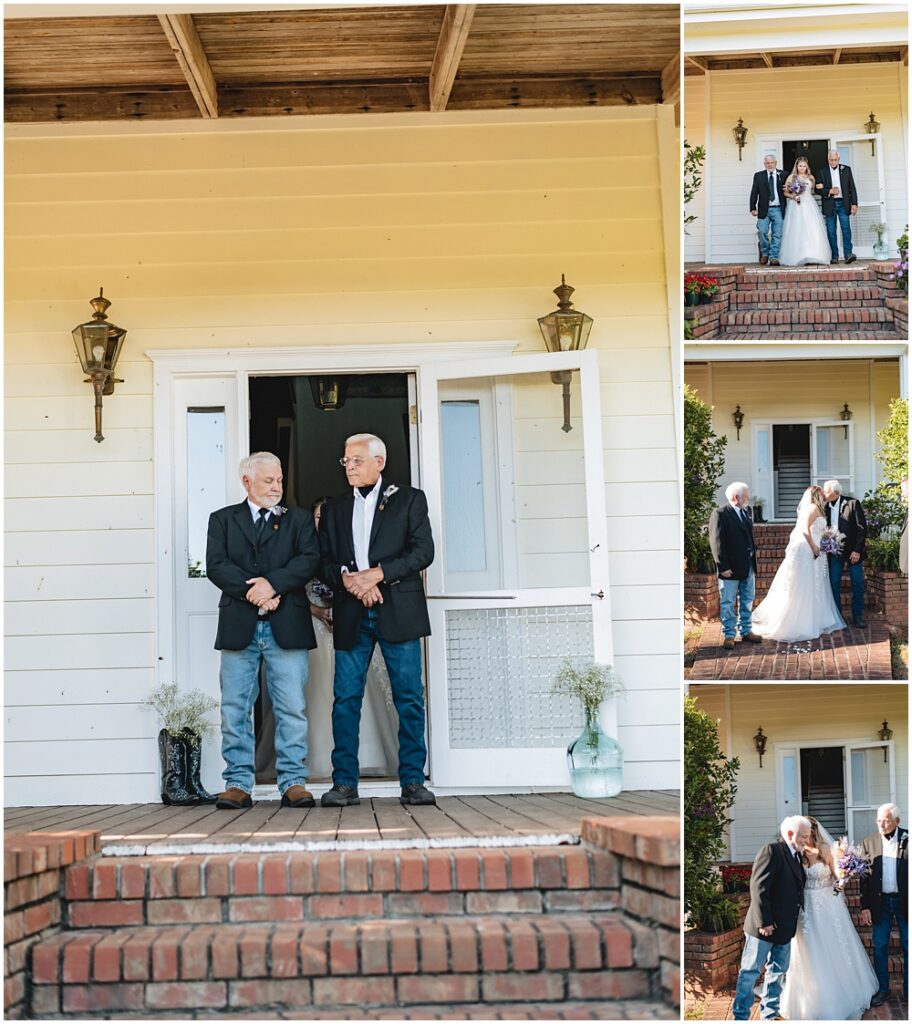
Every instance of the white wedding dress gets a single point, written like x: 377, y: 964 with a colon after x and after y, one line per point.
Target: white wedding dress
x: 804, y: 237
x: 799, y: 605
x: 829, y: 975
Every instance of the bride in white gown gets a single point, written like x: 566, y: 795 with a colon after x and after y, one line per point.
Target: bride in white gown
x: 804, y: 237
x: 800, y: 605
x: 829, y: 976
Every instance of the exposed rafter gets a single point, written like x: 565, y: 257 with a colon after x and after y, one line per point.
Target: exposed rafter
x: 904, y: 55
x: 836, y: 55
x: 767, y: 60
x: 671, y: 81
x: 457, y: 20
x: 700, y: 62
x: 187, y: 47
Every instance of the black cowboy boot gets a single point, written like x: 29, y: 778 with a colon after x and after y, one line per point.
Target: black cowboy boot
x: 193, y: 746
x: 174, y: 771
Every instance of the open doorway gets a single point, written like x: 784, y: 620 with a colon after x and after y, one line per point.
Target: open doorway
x: 823, y: 794
x: 791, y: 467
x: 304, y: 420
x: 813, y: 150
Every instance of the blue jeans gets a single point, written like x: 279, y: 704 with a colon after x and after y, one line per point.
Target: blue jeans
x: 286, y: 677
x: 771, y: 224
x: 758, y: 952
x: 744, y: 591
x: 842, y: 213
x: 856, y: 575
x: 890, y: 906
x: 403, y: 662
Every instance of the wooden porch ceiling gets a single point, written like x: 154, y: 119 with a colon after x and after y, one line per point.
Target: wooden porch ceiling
x: 699, y: 64
x: 339, y: 60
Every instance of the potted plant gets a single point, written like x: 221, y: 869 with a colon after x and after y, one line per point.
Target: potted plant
x: 184, y: 724
x: 595, y: 760
x: 758, y: 510
x: 901, y: 267
x: 881, y: 250
x: 708, y: 288
x: 691, y: 289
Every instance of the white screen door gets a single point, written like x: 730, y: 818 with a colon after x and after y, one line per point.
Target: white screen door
x: 763, y: 478
x: 513, y: 481
x: 871, y: 781
x: 788, y: 782
x: 833, y: 454
x: 868, y: 172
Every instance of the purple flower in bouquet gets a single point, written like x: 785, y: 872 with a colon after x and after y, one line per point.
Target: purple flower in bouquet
x: 321, y: 590
x: 797, y: 187
x: 850, y: 863
x: 832, y: 541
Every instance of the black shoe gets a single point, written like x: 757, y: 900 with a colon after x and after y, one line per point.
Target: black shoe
x: 233, y: 799
x: 834, y: 261
x: 879, y: 998
x: 860, y: 623
x: 415, y: 793
x: 341, y: 796
x: 851, y: 259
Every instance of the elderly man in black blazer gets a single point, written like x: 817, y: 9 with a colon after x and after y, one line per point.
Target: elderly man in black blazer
x: 767, y: 204
x: 375, y: 540
x: 835, y: 184
x: 731, y: 537
x: 885, y: 895
x: 776, y: 899
x: 260, y: 556
x: 846, y: 514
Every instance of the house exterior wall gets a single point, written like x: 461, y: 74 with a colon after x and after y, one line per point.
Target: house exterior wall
x: 376, y: 230
x: 793, y: 102
x: 805, y: 390
x: 695, y: 133
x: 791, y: 713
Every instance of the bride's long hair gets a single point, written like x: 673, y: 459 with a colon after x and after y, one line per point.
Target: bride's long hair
x: 813, y: 496
x: 796, y: 172
x: 821, y: 841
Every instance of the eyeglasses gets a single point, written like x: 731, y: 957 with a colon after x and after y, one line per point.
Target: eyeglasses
x: 356, y: 462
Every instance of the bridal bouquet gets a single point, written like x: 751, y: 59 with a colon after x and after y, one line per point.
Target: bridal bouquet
x: 797, y: 187
x: 850, y: 863
x: 832, y: 541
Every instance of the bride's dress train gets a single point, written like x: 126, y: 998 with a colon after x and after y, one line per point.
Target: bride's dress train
x: 804, y: 237
x: 799, y: 605
x: 829, y: 975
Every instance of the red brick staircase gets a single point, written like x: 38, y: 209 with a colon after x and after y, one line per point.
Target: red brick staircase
x: 544, y: 932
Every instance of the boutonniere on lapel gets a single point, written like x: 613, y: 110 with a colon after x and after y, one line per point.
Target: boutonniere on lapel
x: 387, y: 494
x: 277, y: 511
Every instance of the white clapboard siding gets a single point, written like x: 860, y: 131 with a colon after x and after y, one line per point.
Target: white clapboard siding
x: 829, y: 102
x: 136, y: 753
x: 344, y: 231
x: 695, y: 134
x: 114, y: 787
x: 116, y: 722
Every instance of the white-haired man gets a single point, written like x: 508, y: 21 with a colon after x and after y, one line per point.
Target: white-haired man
x: 261, y: 556
x: 885, y: 895
x: 839, y: 201
x: 777, y: 896
x: 767, y: 204
x: 375, y: 540
x: 731, y: 537
x: 847, y: 516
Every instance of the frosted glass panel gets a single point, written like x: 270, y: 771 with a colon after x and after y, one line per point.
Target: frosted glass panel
x: 863, y: 824
x: 832, y: 452
x: 870, y: 777
x: 789, y: 784
x: 763, y: 460
x: 463, y: 486
x: 501, y: 664
x: 205, y: 480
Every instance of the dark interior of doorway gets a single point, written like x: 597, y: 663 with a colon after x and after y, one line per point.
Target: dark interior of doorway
x: 286, y: 418
x: 814, y: 150
x: 823, y: 787
x: 792, y: 463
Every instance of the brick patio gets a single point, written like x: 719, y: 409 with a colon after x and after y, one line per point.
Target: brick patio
x: 851, y: 653
x: 720, y: 1008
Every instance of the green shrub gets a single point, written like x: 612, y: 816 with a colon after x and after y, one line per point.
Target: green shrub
x: 885, y: 511
x: 704, y: 463
x: 883, y: 554
x: 893, y: 441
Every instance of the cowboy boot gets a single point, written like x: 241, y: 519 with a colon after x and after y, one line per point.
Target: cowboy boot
x: 174, y: 771
x: 193, y: 745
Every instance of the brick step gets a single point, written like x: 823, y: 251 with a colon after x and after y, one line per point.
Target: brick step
x: 779, y: 335
x: 110, y: 892
x: 420, y: 960
x: 786, y: 277
x: 809, y: 318
x: 834, y: 297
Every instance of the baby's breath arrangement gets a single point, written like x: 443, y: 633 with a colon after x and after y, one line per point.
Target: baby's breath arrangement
x: 592, y: 683
x: 182, y: 711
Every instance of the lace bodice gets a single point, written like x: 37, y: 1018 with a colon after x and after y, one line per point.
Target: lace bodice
x: 818, y: 876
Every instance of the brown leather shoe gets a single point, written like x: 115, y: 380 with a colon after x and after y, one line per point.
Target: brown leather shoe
x: 233, y: 799
x: 774, y: 263
x: 298, y: 796
x: 728, y: 643
x: 753, y: 638
x: 764, y: 260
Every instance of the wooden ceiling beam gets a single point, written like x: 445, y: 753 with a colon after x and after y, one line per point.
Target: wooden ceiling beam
x: 457, y: 20
x: 698, y: 62
x: 188, y: 48
x: 836, y: 55
x: 767, y: 60
x: 671, y: 81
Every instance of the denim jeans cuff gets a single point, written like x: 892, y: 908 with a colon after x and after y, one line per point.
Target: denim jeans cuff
x: 411, y: 782
x: 295, y: 782
x: 237, y: 785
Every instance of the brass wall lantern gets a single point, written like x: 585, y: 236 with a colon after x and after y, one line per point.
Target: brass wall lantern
x: 565, y: 330
x: 845, y: 416
x: 740, y: 134
x: 885, y: 735
x: 98, y: 344
x: 329, y: 393
x: 872, y: 127
x: 760, y: 743
x: 738, y: 420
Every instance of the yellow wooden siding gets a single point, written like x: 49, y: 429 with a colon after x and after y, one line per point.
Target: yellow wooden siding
x: 347, y: 230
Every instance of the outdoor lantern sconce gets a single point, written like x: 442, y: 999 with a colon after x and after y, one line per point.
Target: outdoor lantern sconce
x: 328, y: 392
x: 98, y: 345
x: 740, y: 134
x: 845, y: 416
x: 565, y: 330
x: 738, y: 419
x: 885, y: 735
x: 872, y: 127
x: 760, y: 743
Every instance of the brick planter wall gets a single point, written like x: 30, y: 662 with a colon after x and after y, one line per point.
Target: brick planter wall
x: 888, y: 594
x: 712, y: 959
x: 701, y: 596
x: 706, y: 318
x: 33, y: 870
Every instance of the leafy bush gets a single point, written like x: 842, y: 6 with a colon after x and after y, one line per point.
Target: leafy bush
x: 885, y: 511
x: 704, y: 463
x: 694, y: 157
x: 901, y: 267
x: 893, y: 441
x: 883, y: 553
x: 709, y: 791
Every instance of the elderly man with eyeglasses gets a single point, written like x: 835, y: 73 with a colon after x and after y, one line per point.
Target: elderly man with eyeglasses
x: 374, y: 542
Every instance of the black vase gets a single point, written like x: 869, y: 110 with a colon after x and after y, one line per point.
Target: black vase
x: 193, y: 745
x: 173, y: 751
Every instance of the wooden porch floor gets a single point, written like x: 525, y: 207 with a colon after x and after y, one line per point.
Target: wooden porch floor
x: 456, y: 820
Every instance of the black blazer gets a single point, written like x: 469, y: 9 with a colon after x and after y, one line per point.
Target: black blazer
x: 401, y: 544
x: 732, y: 542
x: 759, y: 199
x: 287, y: 554
x: 849, y: 194
x: 852, y: 524
x: 870, y: 886
x: 777, y: 894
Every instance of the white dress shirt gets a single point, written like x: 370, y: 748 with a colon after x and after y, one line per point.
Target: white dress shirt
x: 888, y: 882
x: 362, y: 522
x: 255, y: 512
x: 774, y: 192
x: 833, y: 514
x: 834, y: 180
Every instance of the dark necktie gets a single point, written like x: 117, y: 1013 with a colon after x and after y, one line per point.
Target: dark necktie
x: 261, y: 522
x: 772, y: 188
